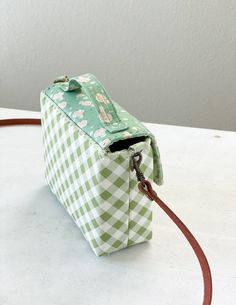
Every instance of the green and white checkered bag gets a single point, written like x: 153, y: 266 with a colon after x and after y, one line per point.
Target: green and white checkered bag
x: 96, y: 158
x: 89, y: 141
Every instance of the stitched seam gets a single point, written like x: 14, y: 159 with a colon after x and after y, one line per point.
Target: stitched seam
x: 129, y: 190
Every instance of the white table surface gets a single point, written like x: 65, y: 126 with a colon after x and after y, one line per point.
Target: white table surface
x: 44, y: 259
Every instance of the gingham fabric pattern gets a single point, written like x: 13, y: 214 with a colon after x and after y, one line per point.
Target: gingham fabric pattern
x: 96, y: 187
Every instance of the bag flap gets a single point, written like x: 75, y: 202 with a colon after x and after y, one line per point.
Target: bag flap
x: 85, y: 101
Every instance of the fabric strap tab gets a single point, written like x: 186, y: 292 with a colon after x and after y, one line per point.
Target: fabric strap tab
x: 97, y: 94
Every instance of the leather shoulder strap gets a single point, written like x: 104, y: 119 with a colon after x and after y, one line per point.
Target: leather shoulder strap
x: 146, y: 187
x: 23, y: 121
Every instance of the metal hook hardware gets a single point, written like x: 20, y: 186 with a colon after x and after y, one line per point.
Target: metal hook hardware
x: 61, y: 79
x: 137, y: 159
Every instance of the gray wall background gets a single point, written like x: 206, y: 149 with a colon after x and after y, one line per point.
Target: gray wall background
x: 171, y: 62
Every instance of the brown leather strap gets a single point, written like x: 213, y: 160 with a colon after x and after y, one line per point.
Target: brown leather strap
x: 146, y: 187
x: 23, y: 121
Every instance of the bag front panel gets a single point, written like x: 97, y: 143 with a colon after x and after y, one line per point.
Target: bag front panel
x: 93, y: 186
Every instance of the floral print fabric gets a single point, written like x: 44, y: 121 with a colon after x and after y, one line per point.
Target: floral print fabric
x: 101, y: 118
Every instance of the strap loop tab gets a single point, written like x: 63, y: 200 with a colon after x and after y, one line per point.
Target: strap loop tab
x: 89, y: 84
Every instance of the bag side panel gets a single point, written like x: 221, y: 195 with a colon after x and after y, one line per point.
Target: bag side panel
x: 114, y: 190
x: 140, y: 217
